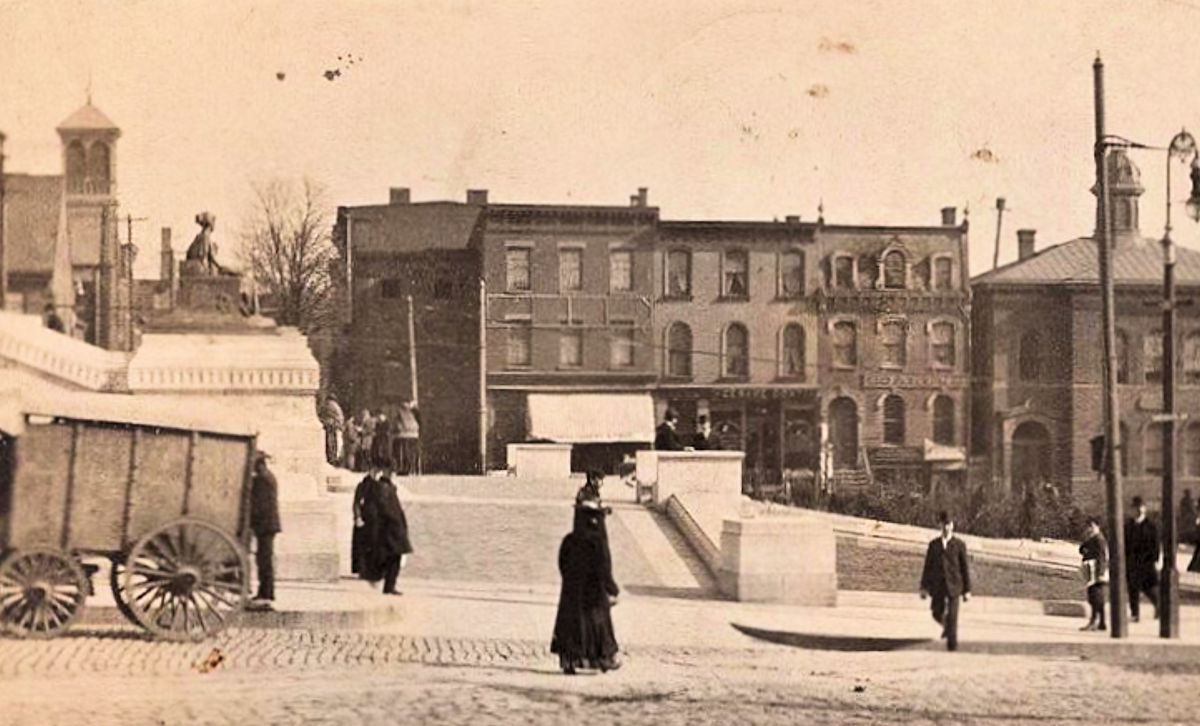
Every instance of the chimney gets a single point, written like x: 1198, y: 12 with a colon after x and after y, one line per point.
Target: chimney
x: 642, y: 196
x: 477, y: 196
x: 793, y: 219
x: 167, y: 264
x: 399, y: 195
x: 633, y: 200
x: 948, y: 216
x: 1025, y: 243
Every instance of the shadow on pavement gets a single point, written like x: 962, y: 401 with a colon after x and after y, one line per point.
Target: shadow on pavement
x: 832, y: 642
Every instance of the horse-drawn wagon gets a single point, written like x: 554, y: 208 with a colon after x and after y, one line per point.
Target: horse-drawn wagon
x: 165, y: 498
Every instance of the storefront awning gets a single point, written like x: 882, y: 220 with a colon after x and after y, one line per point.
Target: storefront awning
x: 591, y: 418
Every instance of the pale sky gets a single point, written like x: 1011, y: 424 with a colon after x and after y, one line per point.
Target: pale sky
x: 724, y: 109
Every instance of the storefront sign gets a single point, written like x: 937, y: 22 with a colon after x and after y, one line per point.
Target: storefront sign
x: 908, y: 380
x: 743, y: 394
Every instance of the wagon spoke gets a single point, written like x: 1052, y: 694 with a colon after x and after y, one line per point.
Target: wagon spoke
x: 41, y: 591
x: 214, y: 595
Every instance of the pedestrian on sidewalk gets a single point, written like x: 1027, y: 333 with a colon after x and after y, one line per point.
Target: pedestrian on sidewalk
x: 381, y: 442
x: 583, y: 629
x: 946, y: 578
x: 350, y: 434
x: 365, y: 540
x: 1094, y: 552
x: 407, y: 435
x: 1141, y: 554
x: 393, y: 543
x: 1194, y: 565
x: 264, y: 523
x: 333, y: 420
x: 665, y: 436
x: 366, y: 440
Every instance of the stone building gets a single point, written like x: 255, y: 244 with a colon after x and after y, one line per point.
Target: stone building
x: 60, y: 239
x: 1038, y: 357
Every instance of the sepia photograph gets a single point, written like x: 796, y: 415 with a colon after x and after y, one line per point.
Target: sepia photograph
x: 550, y: 362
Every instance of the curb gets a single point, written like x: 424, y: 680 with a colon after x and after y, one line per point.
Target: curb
x: 360, y: 619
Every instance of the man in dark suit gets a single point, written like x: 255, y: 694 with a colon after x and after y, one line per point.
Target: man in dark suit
x: 264, y: 522
x: 702, y: 441
x: 1141, y: 554
x: 946, y: 578
x: 665, y: 438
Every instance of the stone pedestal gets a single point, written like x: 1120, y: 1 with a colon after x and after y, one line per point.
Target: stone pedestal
x: 266, y: 381
x: 779, y: 559
x: 708, y: 483
x: 539, y: 461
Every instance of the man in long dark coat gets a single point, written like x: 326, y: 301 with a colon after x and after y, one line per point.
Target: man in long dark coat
x: 665, y: 436
x: 1141, y: 554
x: 946, y: 578
x: 392, y: 541
x: 365, y: 539
x: 583, y: 629
x: 1094, y: 552
x: 264, y: 523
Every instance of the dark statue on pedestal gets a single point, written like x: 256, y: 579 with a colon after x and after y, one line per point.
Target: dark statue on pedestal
x: 202, y: 254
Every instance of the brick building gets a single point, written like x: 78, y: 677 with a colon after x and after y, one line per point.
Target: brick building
x: 801, y: 339
x: 59, y: 236
x: 1038, y: 357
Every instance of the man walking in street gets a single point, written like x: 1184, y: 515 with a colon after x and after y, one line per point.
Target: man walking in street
x: 946, y: 578
x: 264, y: 523
x: 1141, y: 554
x: 392, y: 543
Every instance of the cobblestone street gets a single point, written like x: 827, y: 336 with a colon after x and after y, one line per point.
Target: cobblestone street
x: 283, y: 677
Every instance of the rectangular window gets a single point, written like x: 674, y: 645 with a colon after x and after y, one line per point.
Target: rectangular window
x: 1152, y: 355
x: 843, y: 272
x: 570, y: 348
x: 734, y: 275
x: 520, y: 343
x: 620, y: 270
x: 570, y: 269
x: 391, y: 289
x: 845, y: 345
x: 893, y: 339
x: 791, y: 274
x: 621, y: 348
x: 941, y: 344
x: 1152, y: 452
x: 943, y: 278
x: 516, y: 269
x: 679, y: 274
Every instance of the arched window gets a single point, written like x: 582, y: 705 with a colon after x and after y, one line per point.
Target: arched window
x: 737, y: 351
x: 894, y: 342
x: 791, y: 274
x: 1152, y: 452
x: 893, y: 420
x: 1191, y: 450
x: 941, y: 345
x: 791, y: 362
x: 845, y: 344
x: 679, y: 351
x: 97, y: 168
x: 1122, y: 357
x: 1191, y: 358
x: 843, y: 432
x: 943, y: 420
x: 1152, y: 356
x: 893, y: 270
x: 76, y: 167
x: 1030, y: 356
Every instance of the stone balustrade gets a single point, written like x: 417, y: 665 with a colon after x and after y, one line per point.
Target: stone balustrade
x: 26, y: 343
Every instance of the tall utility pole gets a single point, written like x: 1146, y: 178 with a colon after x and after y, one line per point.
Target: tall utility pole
x: 483, y: 407
x: 129, y: 220
x: 412, y: 353
x: 1112, y: 447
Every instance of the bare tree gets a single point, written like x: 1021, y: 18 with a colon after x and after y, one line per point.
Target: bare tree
x: 286, y: 244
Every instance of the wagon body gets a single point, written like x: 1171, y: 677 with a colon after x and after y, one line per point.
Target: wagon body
x: 165, y: 497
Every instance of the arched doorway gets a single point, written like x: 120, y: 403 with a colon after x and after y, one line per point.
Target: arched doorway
x: 843, y: 432
x: 1030, y: 455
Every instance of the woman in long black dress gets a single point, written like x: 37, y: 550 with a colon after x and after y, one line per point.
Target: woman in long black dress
x: 365, y: 539
x: 393, y: 544
x: 583, y: 629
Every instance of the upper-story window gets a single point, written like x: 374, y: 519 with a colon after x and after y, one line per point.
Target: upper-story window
x: 893, y: 420
x: 1152, y: 356
x: 941, y: 276
x: 679, y: 351
x: 894, y: 270
x: 735, y: 267
x: 893, y: 341
x: 1191, y: 358
x: 791, y: 274
x: 570, y: 348
x: 943, y: 420
x: 1029, y: 356
x: 520, y: 344
x: 1152, y: 453
x: 679, y: 274
x: 941, y: 345
x: 843, y: 272
x: 516, y: 269
x: 620, y: 270
x: 845, y: 344
x: 570, y: 269
x: 622, y: 344
x: 791, y: 358
x: 737, y: 351
x: 1122, y: 357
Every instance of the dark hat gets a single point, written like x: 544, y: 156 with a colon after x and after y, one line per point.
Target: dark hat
x: 944, y: 517
x: 1137, y: 501
x: 671, y: 415
x: 263, y: 456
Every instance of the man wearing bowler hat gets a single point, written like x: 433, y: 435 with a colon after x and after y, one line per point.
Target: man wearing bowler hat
x: 264, y: 523
x: 946, y: 578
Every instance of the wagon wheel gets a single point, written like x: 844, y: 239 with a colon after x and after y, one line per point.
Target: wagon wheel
x: 116, y: 580
x: 41, y: 591
x: 185, y: 580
